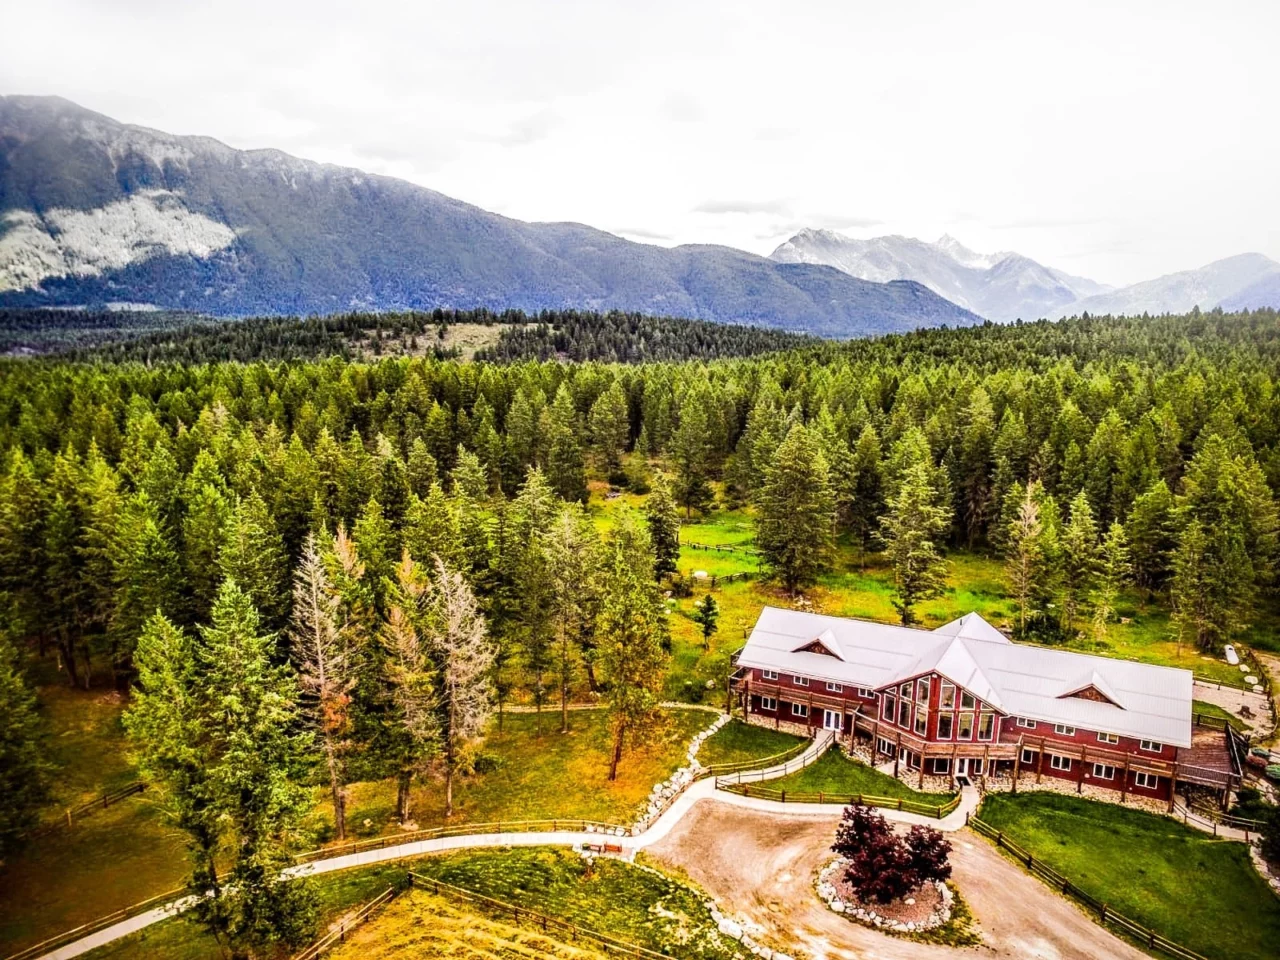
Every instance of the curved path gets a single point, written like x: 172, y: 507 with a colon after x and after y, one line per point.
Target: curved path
x: 757, y: 857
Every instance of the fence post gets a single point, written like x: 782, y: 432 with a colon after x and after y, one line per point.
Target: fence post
x: 784, y: 796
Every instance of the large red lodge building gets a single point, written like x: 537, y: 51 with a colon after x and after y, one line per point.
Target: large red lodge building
x: 963, y: 701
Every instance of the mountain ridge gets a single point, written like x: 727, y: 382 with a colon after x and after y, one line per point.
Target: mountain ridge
x: 94, y: 211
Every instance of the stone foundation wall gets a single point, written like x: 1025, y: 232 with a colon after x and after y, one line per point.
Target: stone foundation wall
x: 1068, y: 788
x: 786, y: 726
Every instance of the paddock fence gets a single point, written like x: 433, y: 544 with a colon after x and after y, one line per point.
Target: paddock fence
x: 73, y: 814
x: 935, y: 810
x: 532, y: 918
x: 1106, y: 916
x: 339, y: 936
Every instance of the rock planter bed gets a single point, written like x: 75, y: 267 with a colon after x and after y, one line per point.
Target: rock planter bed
x: 664, y: 793
x: 929, y: 908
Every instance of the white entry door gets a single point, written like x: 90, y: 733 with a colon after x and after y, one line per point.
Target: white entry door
x: 962, y: 766
x: 832, y: 720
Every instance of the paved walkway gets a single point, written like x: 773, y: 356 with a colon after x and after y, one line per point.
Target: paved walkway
x: 821, y: 743
x: 702, y: 790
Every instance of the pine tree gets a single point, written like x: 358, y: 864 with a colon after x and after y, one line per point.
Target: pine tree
x: 1079, y: 559
x: 1030, y: 555
x: 566, y: 470
x: 977, y: 467
x: 252, y: 554
x: 145, y: 578
x: 1114, y: 569
x: 326, y: 654
x: 917, y: 518
x: 664, y: 528
x: 24, y: 769
x: 691, y: 454
x: 610, y: 429
x: 1153, y: 536
x: 796, y: 524
x: 868, y: 497
x: 432, y: 529
x: 633, y: 638
x: 706, y: 612
x: 572, y: 551
x: 468, y: 477
x: 423, y: 471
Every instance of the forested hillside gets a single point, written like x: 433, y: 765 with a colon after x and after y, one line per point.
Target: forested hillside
x: 370, y: 557
x: 167, y: 337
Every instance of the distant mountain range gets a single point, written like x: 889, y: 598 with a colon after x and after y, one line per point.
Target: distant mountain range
x: 999, y: 286
x: 96, y: 212
x: 1008, y: 286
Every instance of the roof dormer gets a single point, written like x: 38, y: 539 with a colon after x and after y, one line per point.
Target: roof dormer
x: 823, y: 644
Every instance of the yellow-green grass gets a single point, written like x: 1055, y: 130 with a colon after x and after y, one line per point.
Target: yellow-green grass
x: 1197, y: 891
x: 534, y: 777
x: 182, y: 938
x: 839, y: 775
x: 421, y: 924
x: 738, y: 742
x: 1213, y: 710
x: 609, y: 896
x: 128, y: 853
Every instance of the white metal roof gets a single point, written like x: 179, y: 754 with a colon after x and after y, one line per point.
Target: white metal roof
x: 1149, y: 702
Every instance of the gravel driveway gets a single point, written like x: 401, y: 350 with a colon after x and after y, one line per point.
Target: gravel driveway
x: 761, y: 866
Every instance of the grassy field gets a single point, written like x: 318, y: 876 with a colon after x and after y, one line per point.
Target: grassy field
x: 419, y: 924
x: 535, y: 777
x: 608, y: 897
x: 1213, y: 710
x: 738, y: 742
x: 127, y: 853
x: 976, y: 582
x: 184, y: 939
x: 1197, y: 891
x: 835, y: 773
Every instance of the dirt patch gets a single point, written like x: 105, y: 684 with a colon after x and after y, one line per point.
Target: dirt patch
x: 763, y: 867
x: 916, y: 908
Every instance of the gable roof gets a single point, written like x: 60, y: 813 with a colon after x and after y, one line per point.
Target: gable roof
x: 1141, y: 700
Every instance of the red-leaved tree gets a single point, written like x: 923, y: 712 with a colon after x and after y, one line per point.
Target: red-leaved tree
x: 884, y: 866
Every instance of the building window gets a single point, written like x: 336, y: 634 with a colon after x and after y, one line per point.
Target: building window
x: 885, y: 746
x: 889, y: 708
x: 975, y: 766
x: 1028, y: 756
x: 986, y: 726
x: 948, y: 695
x: 922, y: 690
x: 1108, y: 738
x: 866, y: 693
x: 945, y: 723
x: 1024, y: 722
x: 835, y: 687
x: 966, y: 700
x: 769, y: 674
x: 1104, y: 771
x: 768, y: 703
x: 905, y: 690
x: 913, y: 760
x: 940, y: 765
x: 1063, y: 730
x: 922, y: 721
x: 1151, y: 746
x: 965, y: 730
x: 800, y: 681
x: 1059, y: 763
x: 799, y: 710
x: 904, y: 713
x: 1148, y: 781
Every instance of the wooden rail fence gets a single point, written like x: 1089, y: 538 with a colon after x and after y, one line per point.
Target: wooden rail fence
x: 935, y: 810
x: 547, y: 924
x: 72, y: 814
x: 1147, y: 937
x: 92, y: 927
x: 335, y: 937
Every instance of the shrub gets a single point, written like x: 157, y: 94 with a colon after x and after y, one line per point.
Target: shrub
x: 884, y: 866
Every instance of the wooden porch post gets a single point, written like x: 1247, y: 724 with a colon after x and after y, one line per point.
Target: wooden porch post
x: 986, y: 762
x: 1124, y: 780
x: 897, y: 753
x: 1040, y: 762
x: 875, y: 742
x: 1017, y: 764
x: 1080, y: 777
x: 1173, y: 784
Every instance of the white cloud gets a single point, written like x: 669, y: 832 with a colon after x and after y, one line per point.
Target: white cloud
x: 1117, y: 139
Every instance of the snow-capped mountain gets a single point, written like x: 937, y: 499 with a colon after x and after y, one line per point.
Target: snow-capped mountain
x: 1000, y: 286
x: 95, y: 212
x: 1245, y: 281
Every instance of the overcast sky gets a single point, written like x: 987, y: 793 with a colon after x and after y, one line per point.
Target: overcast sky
x: 1119, y: 140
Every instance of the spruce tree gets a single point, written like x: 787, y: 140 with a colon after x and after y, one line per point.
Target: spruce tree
x: 917, y: 518
x: 795, y: 527
x: 24, y: 768
x: 566, y: 470
x: 1079, y: 559
x: 1114, y: 570
x: 610, y: 429
x: 664, y: 528
x: 691, y: 454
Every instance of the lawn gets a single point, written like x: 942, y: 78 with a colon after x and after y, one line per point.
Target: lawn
x: 536, y: 777
x: 127, y: 853
x: 738, y: 742
x: 612, y: 897
x: 1213, y: 710
x: 184, y: 939
x: 837, y: 774
x: 1197, y: 891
